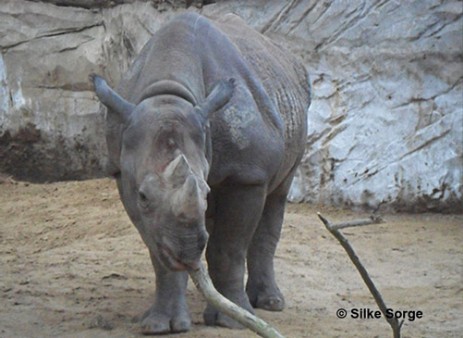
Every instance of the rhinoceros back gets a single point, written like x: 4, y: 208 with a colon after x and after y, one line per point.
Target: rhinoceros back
x: 284, y: 77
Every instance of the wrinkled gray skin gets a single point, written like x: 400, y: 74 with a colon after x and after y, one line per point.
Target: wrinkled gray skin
x: 205, y: 132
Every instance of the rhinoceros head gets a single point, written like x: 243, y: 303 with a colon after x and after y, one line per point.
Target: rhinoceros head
x: 162, y: 169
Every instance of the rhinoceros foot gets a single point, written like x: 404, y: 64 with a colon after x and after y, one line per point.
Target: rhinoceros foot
x: 212, y: 317
x: 159, y: 320
x: 266, y: 298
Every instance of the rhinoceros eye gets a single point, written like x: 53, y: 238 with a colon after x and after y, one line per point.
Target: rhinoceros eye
x: 143, y: 200
x: 142, y: 196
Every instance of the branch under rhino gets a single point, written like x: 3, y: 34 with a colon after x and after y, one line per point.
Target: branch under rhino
x: 204, y: 284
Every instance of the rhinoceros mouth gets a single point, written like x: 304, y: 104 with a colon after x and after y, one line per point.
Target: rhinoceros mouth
x: 173, y: 262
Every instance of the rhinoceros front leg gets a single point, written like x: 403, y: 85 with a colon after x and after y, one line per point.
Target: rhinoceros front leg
x: 169, y: 313
x: 237, y: 212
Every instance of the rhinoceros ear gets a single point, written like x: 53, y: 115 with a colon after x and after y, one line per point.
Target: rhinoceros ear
x: 221, y: 93
x: 111, y: 99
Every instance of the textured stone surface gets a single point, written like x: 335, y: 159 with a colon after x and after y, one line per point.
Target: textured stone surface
x: 51, y: 127
x: 46, y: 109
x: 386, y: 122
x: 385, y: 126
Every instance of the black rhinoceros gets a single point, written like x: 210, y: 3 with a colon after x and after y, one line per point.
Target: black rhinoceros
x: 204, y: 134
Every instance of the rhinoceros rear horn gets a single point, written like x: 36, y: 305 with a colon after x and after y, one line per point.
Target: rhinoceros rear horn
x: 221, y: 93
x: 177, y: 170
x: 111, y: 99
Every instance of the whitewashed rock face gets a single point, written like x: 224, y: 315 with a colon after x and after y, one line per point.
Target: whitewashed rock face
x: 385, y: 125
x: 50, y: 124
x: 386, y: 121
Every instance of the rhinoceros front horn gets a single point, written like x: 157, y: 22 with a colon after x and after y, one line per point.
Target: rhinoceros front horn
x: 189, y: 191
x: 111, y: 99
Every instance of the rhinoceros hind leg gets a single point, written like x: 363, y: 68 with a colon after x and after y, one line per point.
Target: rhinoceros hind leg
x: 262, y: 289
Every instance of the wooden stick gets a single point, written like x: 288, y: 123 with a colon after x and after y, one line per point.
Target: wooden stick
x: 204, y: 284
x: 361, y: 222
x: 334, y: 230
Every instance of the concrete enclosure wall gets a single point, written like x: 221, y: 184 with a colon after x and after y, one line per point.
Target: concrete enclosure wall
x: 385, y: 125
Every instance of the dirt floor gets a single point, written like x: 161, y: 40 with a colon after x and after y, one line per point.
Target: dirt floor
x: 72, y: 265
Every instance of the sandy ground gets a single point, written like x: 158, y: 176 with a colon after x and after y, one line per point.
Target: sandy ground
x: 72, y: 265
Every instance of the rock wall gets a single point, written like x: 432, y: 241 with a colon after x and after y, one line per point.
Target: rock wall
x: 385, y: 125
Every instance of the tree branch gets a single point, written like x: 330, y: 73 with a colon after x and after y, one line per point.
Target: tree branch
x: 361, y: 222
x: 204, y: 284
x: 334, y: 230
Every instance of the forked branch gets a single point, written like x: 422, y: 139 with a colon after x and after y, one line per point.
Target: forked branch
x: 334, y: 230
